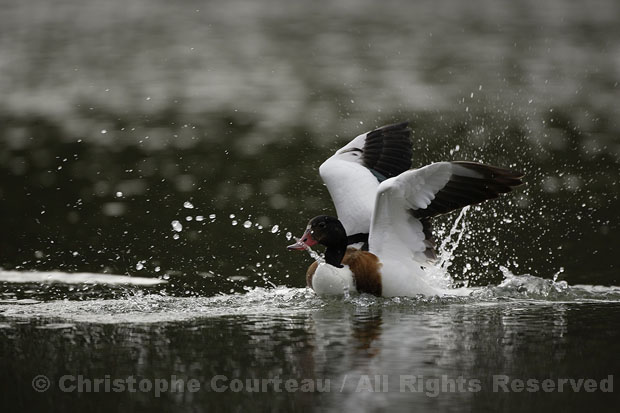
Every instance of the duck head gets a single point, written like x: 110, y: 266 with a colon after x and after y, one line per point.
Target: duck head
x: 324, y: 230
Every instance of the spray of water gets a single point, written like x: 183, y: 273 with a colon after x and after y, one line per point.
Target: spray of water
x: 315, y: 255
x: 448, y: 245
x: 438, y: 274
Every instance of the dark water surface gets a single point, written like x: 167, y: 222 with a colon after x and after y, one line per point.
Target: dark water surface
x: 360, y: 354
x: 180, y: 143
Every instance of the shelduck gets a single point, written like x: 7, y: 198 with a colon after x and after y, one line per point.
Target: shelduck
x: 394, y: 209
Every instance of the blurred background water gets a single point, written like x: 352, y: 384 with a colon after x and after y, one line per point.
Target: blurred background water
x: 114, y: 115
x: 182, y: 140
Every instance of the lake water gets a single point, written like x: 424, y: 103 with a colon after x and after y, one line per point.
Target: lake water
x: 362, y: 353
x: 179, y: 144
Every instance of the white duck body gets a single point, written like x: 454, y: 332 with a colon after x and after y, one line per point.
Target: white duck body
x: 329, y: 280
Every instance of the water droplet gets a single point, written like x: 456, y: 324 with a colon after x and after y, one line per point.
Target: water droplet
x: 275, y: 229
x: 231, y: 216
x: 104, y: 131
x: 247, y: 224
x: 211, y: 217
x: 176, y: 236
x: 139, y: 266
x: 177, y: 226
x: 289, y: 235
x: 188, y: 205
x: 157, y: 269
x: 234, y: 222
x: 189, y: 218
x: 200, y: 218
x: 119, y: 194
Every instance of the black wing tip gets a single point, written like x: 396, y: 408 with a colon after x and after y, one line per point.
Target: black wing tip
x: 463, y: 190
x: 401, y: 127
x: 509, y: 177
x: 388, y: 150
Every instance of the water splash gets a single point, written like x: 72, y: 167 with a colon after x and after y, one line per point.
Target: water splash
x: 448, y: 246
x: 438, y: 274
x: 530, y: 286
x: 315, y: 255
x: 251, y: 270
x: 177, y: 226
x: 156, y: 308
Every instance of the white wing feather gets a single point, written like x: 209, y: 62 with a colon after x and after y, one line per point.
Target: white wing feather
x: 394, y: 231
x: 397, y: 237
x: 397, y: 234
x: 353, y: 173
x: 352, y: 188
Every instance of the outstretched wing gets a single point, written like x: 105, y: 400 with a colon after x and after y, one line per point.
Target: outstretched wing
x: 352, y: 175
x: 401, y: 225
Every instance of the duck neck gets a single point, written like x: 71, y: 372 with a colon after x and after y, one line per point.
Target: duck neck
x: 334, y: 256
